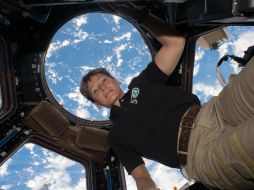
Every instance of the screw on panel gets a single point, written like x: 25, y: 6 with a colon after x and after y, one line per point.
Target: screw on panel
x: 17, y: 81
x: 112, y: 159
x: 27, y: 132
x: 22, y: 114
x: 38, y: 69
x: 33, y: 66
x: 37, y: 89
x: 3, y: 154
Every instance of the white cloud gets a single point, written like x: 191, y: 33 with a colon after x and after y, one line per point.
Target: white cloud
x: 82, y: 103
x: 4, y: 168
x: 59, y: 99
x: 107, y: 42
x: 36, y: 163
x: 30, y: 170
x: 54, y: 176
x: 196, y: 68
x: 109, y: 58
x: 199, y: 54
x: 164, y: 177
x: 55, y: 46
x: 79, y: 21
x: 223, y: 49
x: 52, y: 73
x: 117, y: 50
x: 84, y: 69
x: 56, y: 180
x: 207, y: 90
x: 167, y: 178
x: 126, y: 36
x: 81, y: 185
x: 106, y: 61
x: 83, y: 113
x: 117, y: 22
x: 240, y: 45
x: 134, y: 29
x: 6, y: 187
x: 105, y: 112
x: 142, y: 49
x: 128, y: 79
x: 58, y: 162
x: 78, y: 97
x: 243, y: 42
x: 80, y: 36
x: 116, y: 19
x: 130, y: 183
x: 77, y: 33
x: 30, y: 147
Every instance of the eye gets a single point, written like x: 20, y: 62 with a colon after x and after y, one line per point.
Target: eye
x: 95, y: 91
x: 104, y: 80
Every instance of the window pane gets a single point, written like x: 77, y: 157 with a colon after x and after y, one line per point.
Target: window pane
x: 205, y: 83
x: 87, y: 42
x: 36, y: 168
x: 164, y: 177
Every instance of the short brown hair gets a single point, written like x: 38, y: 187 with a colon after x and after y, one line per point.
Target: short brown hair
x: 86, y: 78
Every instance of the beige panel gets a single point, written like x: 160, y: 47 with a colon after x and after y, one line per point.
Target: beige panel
x: 213, y: 39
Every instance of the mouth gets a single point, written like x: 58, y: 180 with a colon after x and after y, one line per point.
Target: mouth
x: 109, y: 93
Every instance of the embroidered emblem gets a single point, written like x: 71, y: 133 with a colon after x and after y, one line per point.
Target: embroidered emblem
x: 134, y: 95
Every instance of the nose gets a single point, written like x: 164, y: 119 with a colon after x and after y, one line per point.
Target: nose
x: 102, y: 87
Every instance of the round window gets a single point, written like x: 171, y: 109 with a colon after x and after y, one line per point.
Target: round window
x: 87, y: 42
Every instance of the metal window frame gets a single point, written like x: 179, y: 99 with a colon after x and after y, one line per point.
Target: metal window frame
x: 7, y: 82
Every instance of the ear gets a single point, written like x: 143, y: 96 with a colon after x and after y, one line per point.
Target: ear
x: 118, y: 82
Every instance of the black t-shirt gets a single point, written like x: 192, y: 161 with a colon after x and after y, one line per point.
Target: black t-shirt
x: 146, y: 125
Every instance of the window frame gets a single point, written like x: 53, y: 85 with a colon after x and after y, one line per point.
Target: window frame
x: 7, y: 81
x: 148, y: 39
x: 44, y: 144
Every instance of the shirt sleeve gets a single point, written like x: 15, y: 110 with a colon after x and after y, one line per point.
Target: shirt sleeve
x: 128, y: 158
x: 151, y: 74
x: 154, y: 74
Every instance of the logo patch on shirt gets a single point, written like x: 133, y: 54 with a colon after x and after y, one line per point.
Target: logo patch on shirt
x: 134, y: 95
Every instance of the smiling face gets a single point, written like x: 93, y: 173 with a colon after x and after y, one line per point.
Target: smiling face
x: 105, y: 90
